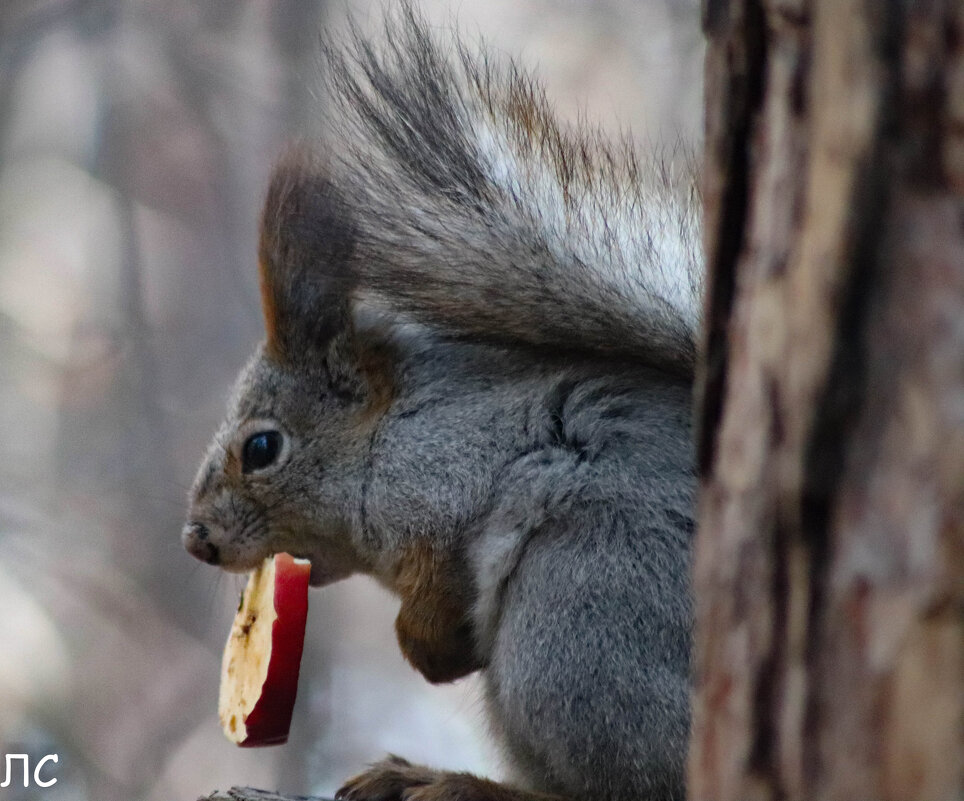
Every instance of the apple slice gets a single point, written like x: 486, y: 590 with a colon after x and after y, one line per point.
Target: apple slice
x: 259, y: 671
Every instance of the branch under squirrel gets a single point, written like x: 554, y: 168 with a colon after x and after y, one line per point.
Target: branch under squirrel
x: 251, y: 794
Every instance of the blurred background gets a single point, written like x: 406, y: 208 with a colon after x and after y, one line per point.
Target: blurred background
x: 135, y: 143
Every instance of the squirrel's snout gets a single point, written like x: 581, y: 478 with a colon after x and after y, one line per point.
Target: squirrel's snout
x: 195, y: 537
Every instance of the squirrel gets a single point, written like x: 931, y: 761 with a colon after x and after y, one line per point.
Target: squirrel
x: 475, y: 386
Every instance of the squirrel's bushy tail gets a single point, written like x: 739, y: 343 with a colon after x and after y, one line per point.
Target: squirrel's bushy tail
x: 477, y: 214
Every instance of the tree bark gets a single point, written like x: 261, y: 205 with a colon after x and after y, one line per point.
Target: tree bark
x: 829, y: 565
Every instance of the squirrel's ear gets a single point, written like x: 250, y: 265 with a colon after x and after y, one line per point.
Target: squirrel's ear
x: 306, y: 245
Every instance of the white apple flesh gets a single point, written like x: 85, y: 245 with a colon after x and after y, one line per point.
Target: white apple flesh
x: 262, y: 657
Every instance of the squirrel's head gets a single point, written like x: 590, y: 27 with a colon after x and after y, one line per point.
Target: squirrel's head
x: 280, y: 473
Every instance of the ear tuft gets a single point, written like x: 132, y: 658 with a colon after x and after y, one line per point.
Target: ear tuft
x: 307, y: 240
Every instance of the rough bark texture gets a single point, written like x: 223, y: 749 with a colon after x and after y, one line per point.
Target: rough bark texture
x: 828, y: 572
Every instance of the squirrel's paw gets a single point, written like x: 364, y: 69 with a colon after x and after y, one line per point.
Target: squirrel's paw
x: 391, y: 779
x: 396, y: 779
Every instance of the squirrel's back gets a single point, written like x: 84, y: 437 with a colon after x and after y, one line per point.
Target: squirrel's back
x: 476, y: 213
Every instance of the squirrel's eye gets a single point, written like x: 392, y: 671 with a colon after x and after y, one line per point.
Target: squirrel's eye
x: 260, y: 450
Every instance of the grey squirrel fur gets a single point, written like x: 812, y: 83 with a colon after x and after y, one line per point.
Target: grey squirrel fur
x: 475, y: 387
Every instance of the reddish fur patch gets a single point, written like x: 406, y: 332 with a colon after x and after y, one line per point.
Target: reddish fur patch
x: 433, y: 626
x: 270, y: 310
x: 232, y: 464
x: 376, y: 364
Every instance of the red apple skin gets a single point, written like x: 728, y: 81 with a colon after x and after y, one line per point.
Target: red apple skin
x: 270, y: 719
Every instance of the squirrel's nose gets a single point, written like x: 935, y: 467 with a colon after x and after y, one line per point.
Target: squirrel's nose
x: 195, y: 538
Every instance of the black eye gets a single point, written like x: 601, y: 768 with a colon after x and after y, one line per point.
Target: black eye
x: 260, y: 450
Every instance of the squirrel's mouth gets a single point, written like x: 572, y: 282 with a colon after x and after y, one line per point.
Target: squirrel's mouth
x: 331, y: 559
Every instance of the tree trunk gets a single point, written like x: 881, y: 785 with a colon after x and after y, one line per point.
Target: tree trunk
x: 829, y: 645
